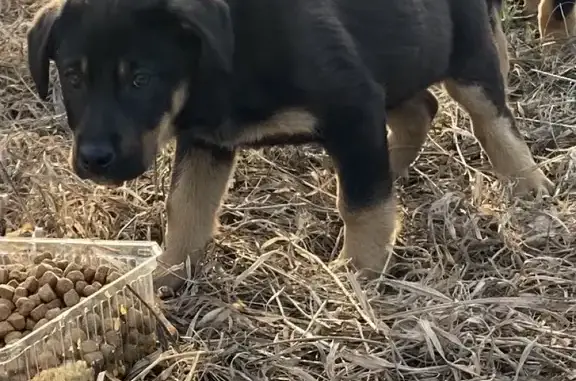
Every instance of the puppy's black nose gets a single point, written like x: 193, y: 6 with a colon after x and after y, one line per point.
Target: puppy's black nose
x: 95, y: 157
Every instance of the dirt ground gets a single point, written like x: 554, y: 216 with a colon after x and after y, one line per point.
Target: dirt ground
x: 484, y: 287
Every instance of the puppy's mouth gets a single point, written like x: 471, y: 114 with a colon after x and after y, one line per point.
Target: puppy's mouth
x: 114, y: 176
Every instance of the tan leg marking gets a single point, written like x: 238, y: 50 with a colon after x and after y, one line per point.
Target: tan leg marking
x: 369, y: 235
x: 502, y: 47
x: 409, y: 125
x: 192, y: 209
x: 549, y: 27
x: 164, y: 131
x: 284, y: 124
x: 507, y: 151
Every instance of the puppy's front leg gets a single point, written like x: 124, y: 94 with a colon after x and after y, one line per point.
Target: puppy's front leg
x: 199, y: 182
x: 358, y: 146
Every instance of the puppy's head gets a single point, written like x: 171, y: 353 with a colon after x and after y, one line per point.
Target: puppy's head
x: 133, y: 73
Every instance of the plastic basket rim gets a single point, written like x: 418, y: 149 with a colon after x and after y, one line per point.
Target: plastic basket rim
x: 85, y: 241
x: 56, y: 324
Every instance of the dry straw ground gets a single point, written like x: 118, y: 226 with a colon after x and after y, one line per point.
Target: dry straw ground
x: 484, y: 288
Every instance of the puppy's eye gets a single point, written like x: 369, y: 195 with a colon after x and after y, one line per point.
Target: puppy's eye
x: 73, y: 78
x: 140, y: 80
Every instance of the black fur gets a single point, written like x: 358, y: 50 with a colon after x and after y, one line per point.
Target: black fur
x: 345, y: 61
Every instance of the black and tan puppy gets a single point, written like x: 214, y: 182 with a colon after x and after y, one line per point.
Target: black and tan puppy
x: 219, y: 75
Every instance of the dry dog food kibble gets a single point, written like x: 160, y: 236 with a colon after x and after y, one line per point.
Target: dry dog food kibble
x: 31, y: 296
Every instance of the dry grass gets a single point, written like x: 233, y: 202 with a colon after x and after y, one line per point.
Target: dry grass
x: 484, y: 287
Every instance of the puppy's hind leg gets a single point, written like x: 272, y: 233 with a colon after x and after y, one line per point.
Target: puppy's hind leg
x: 477, y: 85
x: 199, y: 182
x: 409, y: 125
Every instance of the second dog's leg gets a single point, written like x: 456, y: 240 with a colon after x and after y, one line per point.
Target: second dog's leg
x: 556, y: 19
x: 199, y: 182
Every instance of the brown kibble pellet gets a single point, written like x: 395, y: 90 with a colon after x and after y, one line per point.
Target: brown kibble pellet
x: 47, y: 360
x: 40, y: 323
x: 55, y: 346
x: 71, y: 298
x: 96, y: 285
x: 39, y: 312
x: 19, y: 292
x: 113, y: 276
x: 18, y: 321
x: 113, y: 338
x: 25, y: 306
x: 52, y: 313
x: 30, y: 324
x: 75, y: 276
x: 4, y: 275
x: 134, y: 318
x: 40, y: 257
x: 63, y: 286
x: 6, y: 291
x: 5, y: 311
x: 133, y: 336
x: 131, y: 353
x: 89, y: 290
x: 50, y: 262
x: 30, y: 284
x: 48, y: 278
x: 56, y: 303
x: 5, y: 328
x: 79, y: 287
x: 111, y: 324
x: 12, y: 337
x: 13, y: 283
x: 18, y: 276
x: 88, y: 346
x: 15, y: 266
x: 41, y: 269
x: 8, y: 303
x: 59, y: 273
x: 93, y: 358
x: 147, y: 325
x: 77, y: 335
x: 101, y: 274
x: 72, y: 267
x: 46, y: 293
x: 62, y: 264
x: 36, y: 299
x: 89, y: 274
x: 108, y: 351
x: 93, y: 322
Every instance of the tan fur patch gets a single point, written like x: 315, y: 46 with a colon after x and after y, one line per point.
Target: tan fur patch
x: 193, y: 205
x: 508, y: 153
x: 409, y: 126
x: 284, y: 124
x: 164, y: 131
x: 369, y: 235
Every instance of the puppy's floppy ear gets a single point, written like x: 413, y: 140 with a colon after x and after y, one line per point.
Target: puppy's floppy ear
x: 40, y: 46
x: 210, y: 20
